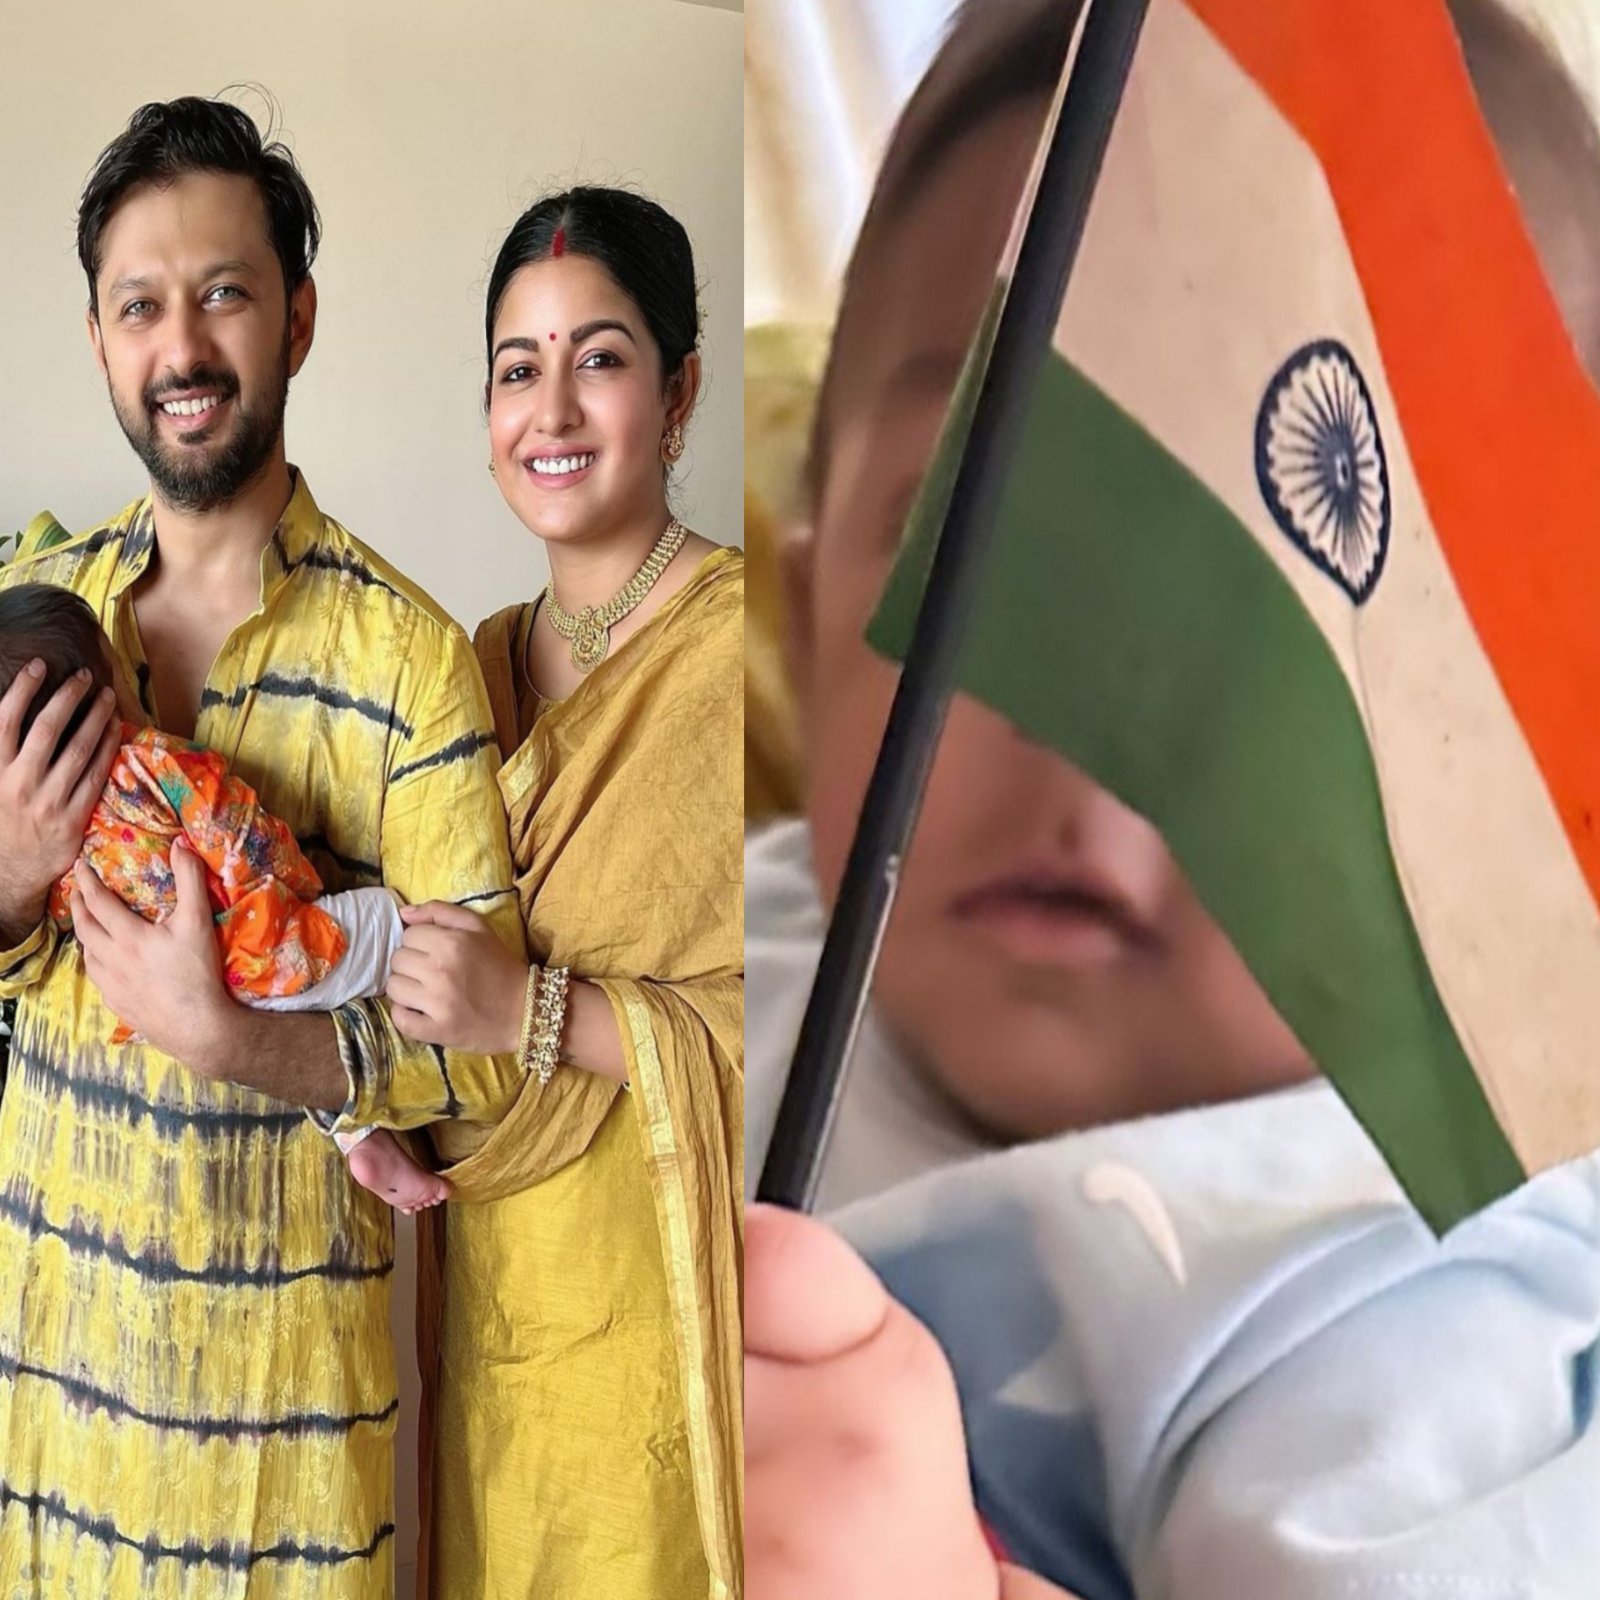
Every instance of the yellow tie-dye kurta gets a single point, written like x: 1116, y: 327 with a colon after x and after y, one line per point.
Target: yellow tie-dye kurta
x: 197, y: 1384
x: 588, y: 1367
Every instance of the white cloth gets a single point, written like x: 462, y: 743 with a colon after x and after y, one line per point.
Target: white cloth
x: 1215, y: 1355
x: 370, y: 920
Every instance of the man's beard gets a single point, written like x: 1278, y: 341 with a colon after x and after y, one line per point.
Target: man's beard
x: 188, y: 476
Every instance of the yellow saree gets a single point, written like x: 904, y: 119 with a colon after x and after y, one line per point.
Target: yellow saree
x: 580, y: 1329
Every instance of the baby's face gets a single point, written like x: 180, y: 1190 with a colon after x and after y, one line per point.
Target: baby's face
x: 1045, y: 959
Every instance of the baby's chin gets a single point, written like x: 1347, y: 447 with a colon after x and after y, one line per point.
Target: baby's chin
x: 1020, y: 1081
x: 1013, y: 1107
x: 1023, y: 1062
x: 1012, y: 1080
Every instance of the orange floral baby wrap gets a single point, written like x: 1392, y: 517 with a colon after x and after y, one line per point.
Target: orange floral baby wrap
x: 273, y: 941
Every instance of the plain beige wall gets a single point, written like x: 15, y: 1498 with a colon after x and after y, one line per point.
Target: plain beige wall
x: 423, y: 130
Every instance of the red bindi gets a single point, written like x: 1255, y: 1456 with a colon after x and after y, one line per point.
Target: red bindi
x: 552, y: 338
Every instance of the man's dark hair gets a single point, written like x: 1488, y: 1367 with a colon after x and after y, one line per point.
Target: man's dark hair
x: 165, y: 141
x: 40, y: 622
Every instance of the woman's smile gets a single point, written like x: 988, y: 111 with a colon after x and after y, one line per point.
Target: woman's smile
x: 564, y: 471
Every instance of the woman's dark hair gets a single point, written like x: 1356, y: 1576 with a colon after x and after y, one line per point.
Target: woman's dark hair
x: 642, y: 246
x: 40, y: 622
x: 165, y: 141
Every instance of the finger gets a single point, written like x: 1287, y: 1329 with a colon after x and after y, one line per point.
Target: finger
x: 96, y: 774
x: 432, y: 946
x: 441, y: 914
x: 45, y: 734
x: 93, y: 969
x: 808, y: 1296
x: 87, y: 897
x: 92, y: 940
x: 410, y: 962
x: 67, y: 770
x: 14, y: 705
x: 897, y: 1378
x: 786, y: 1407
x: 413, y: 1024
x: 114, y: 918
x: 410, y: 993
x: 189, y: 877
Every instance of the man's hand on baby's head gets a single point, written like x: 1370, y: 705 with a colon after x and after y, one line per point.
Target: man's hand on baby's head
x: 45, y: 804
x: 855, y: 1461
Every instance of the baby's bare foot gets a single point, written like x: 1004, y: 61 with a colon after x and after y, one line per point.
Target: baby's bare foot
x: 380, y: 1163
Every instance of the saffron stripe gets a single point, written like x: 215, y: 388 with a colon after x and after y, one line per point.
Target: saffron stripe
x: 1457, y: 305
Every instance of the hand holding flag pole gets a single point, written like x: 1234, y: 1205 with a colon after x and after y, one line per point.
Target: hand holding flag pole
x: 1095, y: 78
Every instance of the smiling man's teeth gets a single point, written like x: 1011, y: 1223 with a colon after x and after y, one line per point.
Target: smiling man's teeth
x: 190, y: 408
x: 559, y: 466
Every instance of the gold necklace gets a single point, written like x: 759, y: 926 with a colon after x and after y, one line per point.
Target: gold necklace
x: 589, y: 630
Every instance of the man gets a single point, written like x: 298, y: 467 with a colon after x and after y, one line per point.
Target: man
x: 197, y: 1387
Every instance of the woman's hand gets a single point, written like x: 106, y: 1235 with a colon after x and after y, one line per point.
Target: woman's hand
x: 455, y: 984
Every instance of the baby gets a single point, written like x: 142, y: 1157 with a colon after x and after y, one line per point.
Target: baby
x: 1202, y: 1348
x: 284, y: 945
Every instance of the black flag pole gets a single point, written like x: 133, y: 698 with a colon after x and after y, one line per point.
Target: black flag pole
x: 1097, y: 78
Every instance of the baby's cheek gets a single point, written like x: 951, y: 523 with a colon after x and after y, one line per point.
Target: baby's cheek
x: 844, y: 729
x: 833, y: 804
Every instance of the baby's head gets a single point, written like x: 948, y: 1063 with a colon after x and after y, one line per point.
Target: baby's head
x: 40, y: 622
x: 1046, y: 960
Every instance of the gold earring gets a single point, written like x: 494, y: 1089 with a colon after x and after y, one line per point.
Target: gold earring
x: 672, y: 442
x: 491, y: 469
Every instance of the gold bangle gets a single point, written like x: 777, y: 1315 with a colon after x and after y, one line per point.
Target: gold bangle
x: 543, y: 1023
x: 529, y: 1014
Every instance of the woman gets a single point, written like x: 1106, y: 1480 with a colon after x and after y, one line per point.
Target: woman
x: 580, y: 1320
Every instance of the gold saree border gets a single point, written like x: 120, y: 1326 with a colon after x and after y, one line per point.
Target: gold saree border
x: 650, y: 1079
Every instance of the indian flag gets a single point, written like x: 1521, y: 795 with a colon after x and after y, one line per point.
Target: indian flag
x: 1300, y: 557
